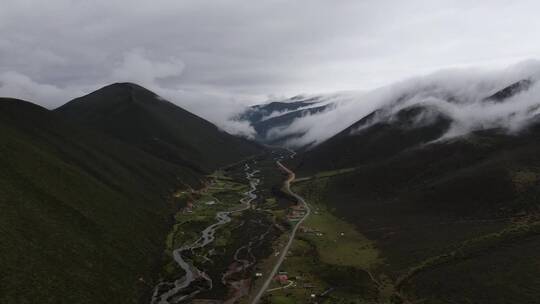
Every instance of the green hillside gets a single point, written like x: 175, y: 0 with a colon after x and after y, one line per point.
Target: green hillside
x: 140, y: 118
x: 84, y: 215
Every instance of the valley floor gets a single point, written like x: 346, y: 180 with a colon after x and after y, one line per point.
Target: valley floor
x: 225, y: 268
x: 335, y: 259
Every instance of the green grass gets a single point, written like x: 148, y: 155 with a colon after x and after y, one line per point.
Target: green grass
x: 331, y: 259
x: 340, y: 243
x: 305, y: 267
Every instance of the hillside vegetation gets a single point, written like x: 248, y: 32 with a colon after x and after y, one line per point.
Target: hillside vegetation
x: 438, y: 210
x: 85, y: 212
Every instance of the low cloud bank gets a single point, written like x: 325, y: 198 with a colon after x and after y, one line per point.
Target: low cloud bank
x: 459, y: 94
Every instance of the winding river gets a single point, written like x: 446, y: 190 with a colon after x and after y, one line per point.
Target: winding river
x: 183, y: 288
x: 241, y: 287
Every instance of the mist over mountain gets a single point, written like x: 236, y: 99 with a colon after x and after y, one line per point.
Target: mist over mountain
x: 443, y: 175
x: 269, y: 120
x: 472, y: 99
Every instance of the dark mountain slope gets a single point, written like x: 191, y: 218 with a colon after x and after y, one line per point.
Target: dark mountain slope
x: 510, y: 90
x: 83, y: 215
x: 142, y: 119
x: 371, y: 139
x: 419, y: 199
x: 387, y: 132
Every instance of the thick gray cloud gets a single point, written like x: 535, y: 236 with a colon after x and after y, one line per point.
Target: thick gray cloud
x: 214, y: 56
x: 458, y: 94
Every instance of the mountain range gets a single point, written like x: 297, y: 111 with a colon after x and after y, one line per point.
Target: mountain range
x: 504, y: 100
x: 442, y: 175
x: 442, y: 203
x: 268, y: 120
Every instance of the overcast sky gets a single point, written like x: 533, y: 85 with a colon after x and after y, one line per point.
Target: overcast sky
x: 212, y: 54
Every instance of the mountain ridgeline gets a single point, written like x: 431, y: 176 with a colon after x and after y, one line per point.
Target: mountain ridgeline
x: 444, y: 209
x: 402, y: 126
x: 86, y: 191
x: 140, y: 118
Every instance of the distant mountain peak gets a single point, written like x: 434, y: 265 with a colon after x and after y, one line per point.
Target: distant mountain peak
x: 511, y: 90
x: 111, y: 97
x: 128, y: 86
x: 275, y: 115
x: 137, y: 116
